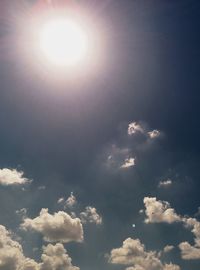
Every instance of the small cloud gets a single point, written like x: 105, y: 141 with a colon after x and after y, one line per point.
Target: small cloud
x: 22, y: 212
x: 11, y: 177
x: 60, y: 200
x: 165, y: 184
x: 41, y: 188
x: 135, y: 128
x: 71, y: 201
x: 154, y: 134
x: 90, y: 215
x: 129, y: 162
x: 168, y: 248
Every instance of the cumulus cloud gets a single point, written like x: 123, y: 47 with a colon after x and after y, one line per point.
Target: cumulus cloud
x: 59, y: 227
x: 134, y: 254
x: 90, y: 215
x: 159, y: 211
x: 189, y: 252
x: 129, y: 162
x: 54, y: 257
x: 9, y: 177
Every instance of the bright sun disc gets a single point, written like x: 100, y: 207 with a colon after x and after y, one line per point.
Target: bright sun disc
x: 63, y: 42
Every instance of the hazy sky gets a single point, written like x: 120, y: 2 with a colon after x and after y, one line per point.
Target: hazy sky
x: 99, y: 167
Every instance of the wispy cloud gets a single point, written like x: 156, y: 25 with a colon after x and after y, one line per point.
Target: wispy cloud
x: 165, y: 183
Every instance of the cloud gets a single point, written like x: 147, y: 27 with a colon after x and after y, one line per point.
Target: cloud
x: 168, y: 248
x: 54, y: 257
x: 10, y: 251
x: 129, y: 162
x: 59, y: 227
x: 159, y: 211
x: 9, y: 177
x: 189, y: 252
x: 134, y: 128
x: 90, y: 215
x: 154, y: 134
x: 22, y: 213
x: 165, y: 183
x: 71, y: 201
x: 134, y: 254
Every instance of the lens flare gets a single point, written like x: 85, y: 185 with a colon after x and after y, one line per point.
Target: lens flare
x: 63, y: 42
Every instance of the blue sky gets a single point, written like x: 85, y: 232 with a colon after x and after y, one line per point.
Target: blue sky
x: 99, y: 169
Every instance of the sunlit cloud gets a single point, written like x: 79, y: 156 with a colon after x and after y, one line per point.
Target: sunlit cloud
x: 135, y: 128
x: 90, y: 215
x: 134, y: 254
x: 129, y: 162
x: 165, y: 183
x: 59, y: 227
x: 12, y: 256
x: 159, y: 211
x: 11, y: 177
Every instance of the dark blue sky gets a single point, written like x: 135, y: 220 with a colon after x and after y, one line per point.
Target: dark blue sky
x: 73, y: 136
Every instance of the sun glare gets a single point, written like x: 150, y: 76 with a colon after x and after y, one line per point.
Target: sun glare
x: 63, y: 42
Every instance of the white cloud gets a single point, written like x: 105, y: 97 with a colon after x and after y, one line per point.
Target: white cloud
x: 90, y: 215
x: 54, y: 257
x: 71, y: 201
x: 10, y: 177
x: 59, y: 227
x: 159, y: 211
x: 189, y: 252
x: 129, y: 162
x: 154, y: 134
x: 165, y: 184
x: 168, y: 248
x: 133, y: 254
x: 60, y: 200
x: 171, y: 267
x: 135, y: 128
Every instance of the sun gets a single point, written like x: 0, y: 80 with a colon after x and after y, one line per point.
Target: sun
x: 63, y: 42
